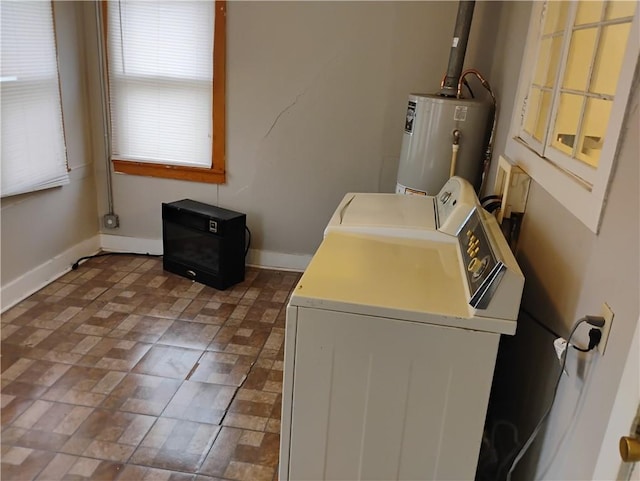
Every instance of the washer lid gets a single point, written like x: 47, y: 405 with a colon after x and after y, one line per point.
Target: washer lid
x: 385, y: 210
x: 398, y: 278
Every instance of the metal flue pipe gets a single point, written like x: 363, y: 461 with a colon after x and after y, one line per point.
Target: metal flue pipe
x: 449, y: 85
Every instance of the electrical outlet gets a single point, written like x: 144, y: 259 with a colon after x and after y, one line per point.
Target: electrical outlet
x: 607, y: 313
x: 111, y: 221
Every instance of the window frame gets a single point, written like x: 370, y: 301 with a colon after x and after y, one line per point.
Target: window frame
x: 585, y: 200
x: 216, y: 174
x: 57, y: 168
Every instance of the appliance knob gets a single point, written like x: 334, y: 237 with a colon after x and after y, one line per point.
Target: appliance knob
x: 445, y: 197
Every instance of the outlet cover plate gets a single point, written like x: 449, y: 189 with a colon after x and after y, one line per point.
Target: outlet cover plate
x: 111, y: 221
x: 607, y: 313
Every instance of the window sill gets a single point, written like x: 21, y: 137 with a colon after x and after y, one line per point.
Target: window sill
x: 194, y: 174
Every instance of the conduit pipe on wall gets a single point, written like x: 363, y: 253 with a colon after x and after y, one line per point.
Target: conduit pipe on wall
x: 104, y: 103
x: 449, y: 85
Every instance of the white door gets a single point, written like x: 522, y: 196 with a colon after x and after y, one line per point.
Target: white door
x: 625, y: 410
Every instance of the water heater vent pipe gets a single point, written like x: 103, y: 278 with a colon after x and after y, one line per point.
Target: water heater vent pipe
x: 449, y: 86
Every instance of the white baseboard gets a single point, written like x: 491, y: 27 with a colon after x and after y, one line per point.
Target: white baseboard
x: 255, y: 257
x: 118, y: 243
x: 25, y: 285
x: 38, y: 277
x: 278, y: 260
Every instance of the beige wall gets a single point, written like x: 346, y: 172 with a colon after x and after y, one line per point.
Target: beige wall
x: 317, y: 95
x: 39, y: 226
x: 569, y: 273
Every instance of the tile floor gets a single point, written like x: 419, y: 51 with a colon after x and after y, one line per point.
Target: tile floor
x: 120, y: 370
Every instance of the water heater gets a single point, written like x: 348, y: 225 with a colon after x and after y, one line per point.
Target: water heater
x: 441, y: 133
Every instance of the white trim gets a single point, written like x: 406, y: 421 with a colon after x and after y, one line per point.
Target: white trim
x: 118, y: 243
x: 278, y: 260
x: 38, y: 277
x: 255, y: 257
x: 584, y: 203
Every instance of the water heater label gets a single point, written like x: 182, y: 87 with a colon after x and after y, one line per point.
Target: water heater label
x: 411, y: 115
x: 460, y: 113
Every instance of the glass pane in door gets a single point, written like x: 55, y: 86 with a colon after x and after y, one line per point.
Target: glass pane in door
x: 542, y: 64
x: 588, y: 12
x: 555, y: 17
x: 567, y: 119
x: 533, y: 104
x: 581, y: 50
x: 541, y: 123
x: 548, y: 60
x: 594, y: 127
x: 554, y: 61
x: 611, y: 49
x: 621, y: 9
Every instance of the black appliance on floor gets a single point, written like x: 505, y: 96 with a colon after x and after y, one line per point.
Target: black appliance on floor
x: 203, y: 242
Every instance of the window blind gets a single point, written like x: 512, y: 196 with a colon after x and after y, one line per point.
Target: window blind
x: 33, y: 153
x: 160, y: 57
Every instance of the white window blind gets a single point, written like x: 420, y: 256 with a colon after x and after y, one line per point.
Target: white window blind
x: 33, y: 149
x: 160, y: 57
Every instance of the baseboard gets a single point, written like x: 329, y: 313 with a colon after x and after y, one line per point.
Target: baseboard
x: 38, y: 277
x: 278, y: 260
x: 118, y: 243
x: 255, y: 257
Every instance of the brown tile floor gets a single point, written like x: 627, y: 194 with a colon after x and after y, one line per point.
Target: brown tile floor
x: 119, y: 370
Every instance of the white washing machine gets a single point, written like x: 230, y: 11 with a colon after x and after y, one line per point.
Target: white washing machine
x: 390, y: 348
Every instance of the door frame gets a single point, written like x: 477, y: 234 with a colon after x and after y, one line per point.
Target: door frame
x: 625, y: 407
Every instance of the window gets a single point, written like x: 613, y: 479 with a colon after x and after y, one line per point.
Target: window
x: 33, y: 149
x: 166, y: 64
x: 574, y: 87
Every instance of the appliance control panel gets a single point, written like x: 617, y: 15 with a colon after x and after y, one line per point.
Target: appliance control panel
x: 483, y: 270
x: 453, y: 204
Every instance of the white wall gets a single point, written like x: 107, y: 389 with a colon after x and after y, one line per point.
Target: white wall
x: 569, y: 272
x: 40, y: 226
x: 317, y: 95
